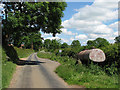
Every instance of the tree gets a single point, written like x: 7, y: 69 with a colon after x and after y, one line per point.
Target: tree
x: 55, y: 44
x: 23, y: 17
x: 47, y: 43
x: 64, y: 45
x: 117, y: 39
x: 75, y: 44
x: 100, y: 42
x: 97, y: 43
x: 90, y: 43
x: 32, y: 40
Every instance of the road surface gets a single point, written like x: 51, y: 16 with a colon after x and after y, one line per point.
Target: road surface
x: 38, y: 73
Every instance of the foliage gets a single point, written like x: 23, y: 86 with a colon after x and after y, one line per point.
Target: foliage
x: 8, y: 68
x: 22, y: 53
x: 101, y: 42
x: 117, y: 39
x: 22, y: 18
x: 52, y: 45
x: 75, y: 44
x: 55, y: 44
x: 97, y: 43
x: 47, y: 43
x: 112, y: 55
x: 91, y: 76
x: 31, y: 40
x: 64, y: 45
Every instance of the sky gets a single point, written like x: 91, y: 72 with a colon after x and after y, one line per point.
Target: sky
x: 85, y: 21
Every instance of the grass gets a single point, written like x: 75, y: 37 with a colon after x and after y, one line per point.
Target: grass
x: 90, y: 77
x: 23, y: 52
x: 8, y: 67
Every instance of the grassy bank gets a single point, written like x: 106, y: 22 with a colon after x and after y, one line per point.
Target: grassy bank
x: 23, y: 52
x: 90, y: 77
x: 8, y: 67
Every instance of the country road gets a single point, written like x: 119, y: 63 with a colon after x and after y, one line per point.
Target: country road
x: 37, y: 73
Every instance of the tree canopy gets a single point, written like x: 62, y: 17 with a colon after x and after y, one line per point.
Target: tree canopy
x: 64, y: 45
x: 98, y: 42
x: 117, y: 39
x: 75, y: 44
x: 22, y: 18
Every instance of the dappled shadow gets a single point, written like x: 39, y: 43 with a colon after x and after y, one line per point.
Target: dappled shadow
x: 28, y: 62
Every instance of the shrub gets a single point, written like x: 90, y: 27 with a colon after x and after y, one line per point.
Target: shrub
x: 112, y: 54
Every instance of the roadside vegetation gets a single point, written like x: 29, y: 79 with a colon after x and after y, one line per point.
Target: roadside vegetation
x: 22, y: 27
x: 92, y: 75
x: 22, y: 53
x: 8, y: 67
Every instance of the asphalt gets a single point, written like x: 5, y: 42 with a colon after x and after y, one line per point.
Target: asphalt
x: 38, y: 73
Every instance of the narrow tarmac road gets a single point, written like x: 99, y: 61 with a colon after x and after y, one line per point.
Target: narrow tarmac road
x: 38, y: 73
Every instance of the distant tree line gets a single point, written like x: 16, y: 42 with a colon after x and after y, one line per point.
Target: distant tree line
x: 111, y: 50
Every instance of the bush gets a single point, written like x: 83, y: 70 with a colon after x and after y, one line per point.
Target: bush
x: 91, y: 76
x: 112, y: 55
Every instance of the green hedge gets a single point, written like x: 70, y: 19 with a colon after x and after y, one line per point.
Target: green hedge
x: 91, y: 76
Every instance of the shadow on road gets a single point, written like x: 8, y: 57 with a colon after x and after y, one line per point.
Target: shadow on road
x: 28, y: 62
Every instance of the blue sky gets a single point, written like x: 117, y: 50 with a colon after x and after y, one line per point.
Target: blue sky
x: 85, y: 21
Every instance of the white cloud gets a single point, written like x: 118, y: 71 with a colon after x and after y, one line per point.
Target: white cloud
x: 116, y: 33
x: 91, y: 17
x: 114, y: 25
x: 65, y: 40
x: 51, y: 38
x: 91, y: 20
x: 81, y: 37
x: 71, y: 39
x: 65, y: 31
x: 58, y: 38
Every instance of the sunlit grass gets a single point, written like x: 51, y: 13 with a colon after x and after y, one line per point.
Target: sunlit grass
x: 90, y: 77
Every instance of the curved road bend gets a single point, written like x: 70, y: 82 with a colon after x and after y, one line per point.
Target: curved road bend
x: 39, y: 73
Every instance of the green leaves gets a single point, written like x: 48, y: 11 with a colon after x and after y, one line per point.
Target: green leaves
x: 98, y: 43
x: 22, y: 18
x: 117, y: 39
x: 75, y: 44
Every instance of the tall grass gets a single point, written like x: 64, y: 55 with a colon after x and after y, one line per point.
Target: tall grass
x: 91, y: 76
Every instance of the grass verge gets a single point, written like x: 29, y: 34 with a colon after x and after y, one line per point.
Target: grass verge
x: 22, y: 53
x: 90, y: 77
x: 8, y: 67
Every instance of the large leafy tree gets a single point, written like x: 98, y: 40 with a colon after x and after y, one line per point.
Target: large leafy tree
x: 52, y: 44
x: 75, y: 44
x: 64, y: 45
x: 90, y: 43
x: 55, y: 44
x: 47, y: 43
x: 97, y: 43
x: 101, y: 42
x: 26, y: 17
x: 32, y: 40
